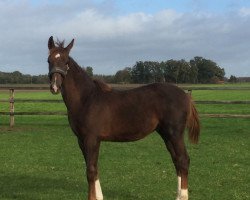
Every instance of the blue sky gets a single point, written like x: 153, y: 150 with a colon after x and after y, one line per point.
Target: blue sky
x: 113, y: 34
x: 153, y: 6
x: 150, y: 6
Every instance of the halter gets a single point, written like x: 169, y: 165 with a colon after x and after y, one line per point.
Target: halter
x: 59, y: 71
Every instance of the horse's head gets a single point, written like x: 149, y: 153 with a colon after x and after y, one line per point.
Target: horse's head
x: 58, y: 63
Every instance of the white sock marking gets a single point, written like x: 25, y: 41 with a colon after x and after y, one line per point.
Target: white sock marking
x: 178, y: 188
x: 179, y: 185
x: 182, y: 194
x: 57, y: 55
x: 98, y: 190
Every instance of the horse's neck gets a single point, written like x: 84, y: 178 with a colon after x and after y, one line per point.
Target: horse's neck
x: 76, y: 86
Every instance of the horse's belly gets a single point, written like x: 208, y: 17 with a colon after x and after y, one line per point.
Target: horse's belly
x: 130, y: 131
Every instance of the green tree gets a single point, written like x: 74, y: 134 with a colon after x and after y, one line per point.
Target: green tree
x: 140, y: 73
x: 89, y: 71
x: 208, y: 71
x: 193, y: 74
x: 147, y: 72
x: 156, y: 71
x: 233, y: 79
x: 123, y: 76
x: 171, y: 71
x: 183, y: 72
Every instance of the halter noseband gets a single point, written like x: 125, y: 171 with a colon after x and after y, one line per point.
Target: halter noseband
x: 59, y: 71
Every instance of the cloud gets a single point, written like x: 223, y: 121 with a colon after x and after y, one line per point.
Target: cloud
x: 109, y: 41
x: 244, y: 12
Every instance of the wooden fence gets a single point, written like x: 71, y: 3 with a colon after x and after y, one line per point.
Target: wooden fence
x: 12, y: 112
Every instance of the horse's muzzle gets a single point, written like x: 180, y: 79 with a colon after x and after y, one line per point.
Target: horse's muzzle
x: 56, y: 82
x: 54, y: 89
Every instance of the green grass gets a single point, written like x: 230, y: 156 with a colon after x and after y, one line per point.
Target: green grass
x: 32, y: 106
x: 226, y: 85
x: 241, y: 109
x: 20, y: 94
x: 219, y: 95
x: 40, y: 159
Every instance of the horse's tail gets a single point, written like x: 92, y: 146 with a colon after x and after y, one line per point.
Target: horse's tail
x: 193, y: 123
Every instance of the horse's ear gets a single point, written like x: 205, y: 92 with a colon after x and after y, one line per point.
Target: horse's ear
x: 51, y: 43
x: 69, y: 47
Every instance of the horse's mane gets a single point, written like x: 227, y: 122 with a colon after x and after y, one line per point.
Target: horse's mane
x: 60, y: 44
x: 102, y: 86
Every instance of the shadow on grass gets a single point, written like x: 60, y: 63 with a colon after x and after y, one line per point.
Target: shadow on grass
x: 112, y: 194
x: 25, y: 187
x: 13, y: 186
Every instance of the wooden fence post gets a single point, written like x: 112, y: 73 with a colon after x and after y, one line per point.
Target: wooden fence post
x: 190, y: 92
x: 12, y: 108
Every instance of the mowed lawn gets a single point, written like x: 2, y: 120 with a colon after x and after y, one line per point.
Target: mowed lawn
x: 40, y: 159
x: 199, y: 95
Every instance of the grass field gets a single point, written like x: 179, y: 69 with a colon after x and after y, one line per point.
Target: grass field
x: 241, y: 94
x: 218, y: 95
x: 40, y: 158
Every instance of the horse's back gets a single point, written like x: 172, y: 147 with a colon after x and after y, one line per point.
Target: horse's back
x: 132, y: 114
x: 156, y: 98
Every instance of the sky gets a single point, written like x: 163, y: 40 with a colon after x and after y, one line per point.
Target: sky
x: 113, y: 34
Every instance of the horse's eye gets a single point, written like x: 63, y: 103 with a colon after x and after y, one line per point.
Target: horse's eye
x: 48, y: 61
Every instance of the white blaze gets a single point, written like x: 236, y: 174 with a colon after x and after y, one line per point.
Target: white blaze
x: 57, y: 55
x: 54, y: 86
x: 98, y: 190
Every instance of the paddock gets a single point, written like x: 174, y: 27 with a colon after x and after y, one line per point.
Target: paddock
x: 53, y: 169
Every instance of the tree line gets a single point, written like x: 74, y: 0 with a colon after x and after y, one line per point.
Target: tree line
x: 17, y: 77
x: 197, y: 70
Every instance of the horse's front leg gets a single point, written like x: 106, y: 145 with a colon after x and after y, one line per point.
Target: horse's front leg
x: 90, y: 148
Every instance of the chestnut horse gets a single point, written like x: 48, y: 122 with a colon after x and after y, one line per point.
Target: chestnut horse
x: 98, y: 113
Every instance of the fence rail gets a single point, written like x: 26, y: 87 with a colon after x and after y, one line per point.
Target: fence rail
x: 61, y: 101
x: 34, y: 113
x: 224, y: 115
x: 46, y: 87
x: 12, y: 113
x: 33, y: 100
x: 222, y: 102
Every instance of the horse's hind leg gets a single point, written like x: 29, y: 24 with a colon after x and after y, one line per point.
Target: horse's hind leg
x: 174, y: 141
